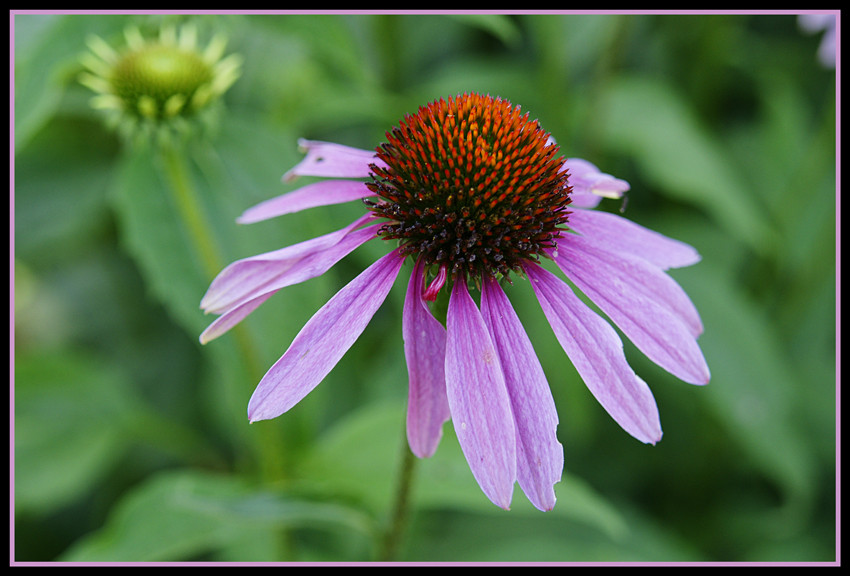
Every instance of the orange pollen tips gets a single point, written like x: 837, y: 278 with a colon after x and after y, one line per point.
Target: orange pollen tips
x: 471, y: 186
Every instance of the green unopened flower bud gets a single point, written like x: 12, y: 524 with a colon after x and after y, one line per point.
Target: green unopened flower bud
x: 164, y: 84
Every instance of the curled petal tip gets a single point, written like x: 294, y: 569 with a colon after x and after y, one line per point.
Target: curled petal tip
x: 611, y: 188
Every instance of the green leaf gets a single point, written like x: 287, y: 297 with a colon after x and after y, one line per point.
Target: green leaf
x: 752, y: 390
x: 647, y: 120
x: 179, y: 515
x: 499, y: 25
x: 359, y: 459
x: 545, y: 538
x: 161, y: 243
x: 47, y: 51
x: 71, y: 414
x: 61, y: 178
x: 76, y: 416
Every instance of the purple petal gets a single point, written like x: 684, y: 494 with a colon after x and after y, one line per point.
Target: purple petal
x: 478, y: 399
x: 540, y: 457
x: 324, y: 340
x: 590, y: 185
x: 648, y: 280
x: 231, y: 318
x: 247, y: 278
x: 425, y: 352
x: 309, y: 267
x: 322, y: 193
x: 332, y: 161
x: 597, y: 354
x: 647, y: 305
x: 621, y: 235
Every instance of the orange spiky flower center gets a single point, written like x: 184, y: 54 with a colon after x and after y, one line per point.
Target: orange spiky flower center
x: 471, y: 185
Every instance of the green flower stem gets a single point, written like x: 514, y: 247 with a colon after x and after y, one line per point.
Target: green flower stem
x: 190, y: 210
x: 401, y: 507
x: 270, y: 452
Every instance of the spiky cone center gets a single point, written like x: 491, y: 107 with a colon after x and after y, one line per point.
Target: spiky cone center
x: 471, y: 186
x: 158, y: 80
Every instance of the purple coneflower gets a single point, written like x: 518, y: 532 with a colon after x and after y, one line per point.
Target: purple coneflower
x: 474, y: 192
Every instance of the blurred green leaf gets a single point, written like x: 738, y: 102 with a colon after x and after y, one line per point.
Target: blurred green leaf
x: 571, y: 48
x: 752, y: 389
x: 76, y: 416
x: 360, y: 457
x: 499, y: 25
x: 47, y: 51
x: 647, y: 120
x: 71, y: 414
x: 449, y: 536
x: 179, y: 515
x: 61, y: 178
x: 802, y: 201
x: 162, y: 244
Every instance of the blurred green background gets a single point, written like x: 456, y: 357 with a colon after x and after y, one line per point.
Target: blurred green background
x: 132, y: 442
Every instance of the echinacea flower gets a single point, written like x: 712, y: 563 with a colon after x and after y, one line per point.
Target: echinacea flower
x: 473, y: 192
x: 158, y: 84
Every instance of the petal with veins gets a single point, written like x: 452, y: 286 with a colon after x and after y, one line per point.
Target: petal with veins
x: 478, y: 399
x: 425, y: 352
x: 647, y: 305
x: 540, y: 457
x: 596, y: 351
x: 324, y: 340
x: 324, y: 193
x: 332, y: 161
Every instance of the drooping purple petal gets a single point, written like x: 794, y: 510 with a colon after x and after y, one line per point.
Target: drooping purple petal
x: 332, y: 161
x: 310, y: 266
x: 649, y: 282
x: 322, y: 193
x: 425, y: 352
x: 590, y: 185
x: 619, y: 234
x: 596, y: 351
x: 323, y: 340
x: 647, y: 305
x: 478, y: 399
x: 231, y: 318
x: 540, y: 457
x: 242, y: 279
